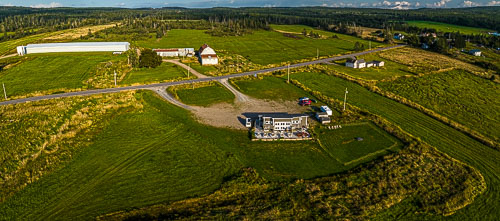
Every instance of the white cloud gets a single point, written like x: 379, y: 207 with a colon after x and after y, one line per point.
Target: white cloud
x: 493, y: 3
x: 417, y: 4
x: 50, y: 5
x: 364, y: 4
x: 387, y: 3
x: 468, y: 3
x: 8, y: 4
x: 439, y: 4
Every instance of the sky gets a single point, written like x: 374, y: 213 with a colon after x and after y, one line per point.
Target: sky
x: 395, y: 4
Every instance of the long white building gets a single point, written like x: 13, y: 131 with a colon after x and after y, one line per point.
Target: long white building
x: 73, y: 47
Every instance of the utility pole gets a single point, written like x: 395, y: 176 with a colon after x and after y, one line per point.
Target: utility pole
x: 345, y: 97
x: 115, y: 78
x: 288, y: 81
x: 317, y: 53
x: 370, y: 43
x: 4, y: 93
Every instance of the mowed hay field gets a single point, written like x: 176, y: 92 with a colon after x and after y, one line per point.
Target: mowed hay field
x: 148, y: 153
x: 458, y: 95
x: 270, y: 88
x: 164, y: 72
x: 343, y: 143
x: 261, y: 47
x: 53, y: 72
x: 390, y: 69
x: 435, y: 133
x: 443, y: 27
x: 202, y: 94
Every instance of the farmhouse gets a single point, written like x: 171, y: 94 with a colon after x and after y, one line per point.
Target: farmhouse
x: 207, y: 55
x: 361, y: 63
x: 175, y: 52
x: 73, y: 47
x: 355, y: 63
x: 475, y: 52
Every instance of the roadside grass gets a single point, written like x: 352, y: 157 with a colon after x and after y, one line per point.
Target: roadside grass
x: 390, y: 69
x: 164, y: 72
x: 435, y: 133
x: 270, y: 88
x: 56, y: 72
x: 471, y: 100
x: 202, y: 94
x: 261, y: 47
x: 343, y: 145
x: 443, y: 27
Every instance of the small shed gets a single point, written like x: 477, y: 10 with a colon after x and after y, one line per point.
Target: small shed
x: 475, y: 52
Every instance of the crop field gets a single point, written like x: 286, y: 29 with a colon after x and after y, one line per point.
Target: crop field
x: 435, y: 133
x: 423, y: 62
x: 54, y: 72
x: 389, y: 70
x: 342, y: 143
x: 477, y: 108
x: 164, y: 72
x: 443, y: 27
x: 261, y: 47
x: 203, y: 95
x: 269, y: 87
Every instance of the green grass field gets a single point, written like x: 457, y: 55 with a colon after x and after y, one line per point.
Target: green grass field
x: 162, y: 73
x: 445, y: 138
x: 342, y: 143
x: 389, y: 70
x: 205, y: 95
x: 443, y: 27
x: 53, y: 72
x: 173, y: 158
x: 269, y: 87
x: 477, y: 108
x: 261, y: 47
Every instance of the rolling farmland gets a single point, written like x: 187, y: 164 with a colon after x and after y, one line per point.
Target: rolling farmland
x: 445, y: 138
x: 261, y: 47
x: 443, y: 27
x: 477, y: 108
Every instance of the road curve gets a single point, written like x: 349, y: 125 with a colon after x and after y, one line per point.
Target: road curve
x: 167, y: 84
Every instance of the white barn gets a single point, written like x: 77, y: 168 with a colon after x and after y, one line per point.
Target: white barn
x: 73, y: 47
x: 355, y: 63
x: 207, y: 55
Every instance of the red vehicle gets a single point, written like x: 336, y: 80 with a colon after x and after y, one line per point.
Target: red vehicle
x: 304, y: 101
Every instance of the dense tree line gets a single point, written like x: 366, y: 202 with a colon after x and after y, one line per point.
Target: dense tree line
x: 234, y: 21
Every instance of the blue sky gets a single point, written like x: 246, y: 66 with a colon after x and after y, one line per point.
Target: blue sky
x: 397, y: 4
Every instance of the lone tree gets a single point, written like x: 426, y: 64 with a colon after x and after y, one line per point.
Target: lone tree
x: 149, y: 59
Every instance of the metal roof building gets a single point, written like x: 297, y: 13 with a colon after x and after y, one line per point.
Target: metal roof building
x: 73, y: 47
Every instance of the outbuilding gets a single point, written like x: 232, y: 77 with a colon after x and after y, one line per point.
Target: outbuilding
x: 73, y: 47
x: 475, y: 52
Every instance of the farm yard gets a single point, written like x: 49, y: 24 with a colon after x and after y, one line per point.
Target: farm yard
x: 477, y: 108
x: 261, y: 47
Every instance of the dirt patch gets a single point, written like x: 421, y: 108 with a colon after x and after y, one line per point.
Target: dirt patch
x: 232, y: 115
x: 77, y: 32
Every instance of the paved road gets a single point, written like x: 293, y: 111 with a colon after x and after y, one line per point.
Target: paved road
x: 167, y: 84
